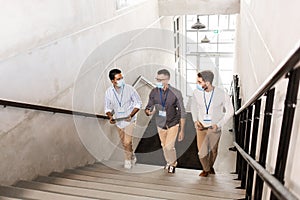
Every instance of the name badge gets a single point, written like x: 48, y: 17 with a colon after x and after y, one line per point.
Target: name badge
x: 207, y: 119
x: 162, y: 113
x: 121, y: 110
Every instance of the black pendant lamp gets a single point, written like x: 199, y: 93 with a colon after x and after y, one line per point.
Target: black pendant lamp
x: 198, y: 24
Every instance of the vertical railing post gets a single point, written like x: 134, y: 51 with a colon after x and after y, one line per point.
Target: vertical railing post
x: 254, y: 134
x: 241, y: 132
x: 287, y: 125
x: 245, y: 166
x: 264, y: 141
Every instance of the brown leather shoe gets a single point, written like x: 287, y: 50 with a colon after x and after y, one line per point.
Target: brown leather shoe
x: 204, y: 174
x: 212, y: 171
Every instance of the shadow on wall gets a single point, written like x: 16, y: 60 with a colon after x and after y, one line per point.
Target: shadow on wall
x: 149, y: 150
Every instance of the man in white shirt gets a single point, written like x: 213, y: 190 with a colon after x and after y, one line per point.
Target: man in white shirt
x: 122, y: 102
x: 208, y: 103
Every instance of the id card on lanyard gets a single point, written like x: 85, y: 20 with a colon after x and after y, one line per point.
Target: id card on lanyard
x: 163, y: 112
x: 207, y: 117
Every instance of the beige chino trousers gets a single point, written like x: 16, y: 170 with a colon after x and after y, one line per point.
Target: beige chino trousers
x: 207, y: 143
x: 168, y: 138
x: 126, y: 136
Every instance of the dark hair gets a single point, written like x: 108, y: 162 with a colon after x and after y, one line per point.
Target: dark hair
x: 113, y: 72
x: 206, y: 75
x: 164, y: 72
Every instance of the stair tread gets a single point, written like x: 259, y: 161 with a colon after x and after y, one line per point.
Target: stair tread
x: 172, y: 180
x: 81, y: 192
x: 137, y: 189
x: 161, y: 174
x: 111, y: 181
x: 15, y: 192
x: 8, y: 198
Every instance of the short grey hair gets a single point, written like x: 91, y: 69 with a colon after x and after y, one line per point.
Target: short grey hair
x: 206, y: 75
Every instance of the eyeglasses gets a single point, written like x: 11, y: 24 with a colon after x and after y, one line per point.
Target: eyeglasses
x: 160, y: 80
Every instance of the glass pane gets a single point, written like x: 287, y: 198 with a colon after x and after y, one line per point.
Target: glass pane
x: 225, y: 77
x: 226, y: 36
x: 191, y: 76
x: 204, y: 20
x: 191, y: 62
x: 207, y: 63
x: 232, y: 22
x: 225, y: 63
x: 226, y: 47
x: 190, y: 20
x: 190, y: 88
x: 213, y: 22
x: 207, y: 47
x: 190, y: 48
x: 191, y: 36
x: 223, y: 21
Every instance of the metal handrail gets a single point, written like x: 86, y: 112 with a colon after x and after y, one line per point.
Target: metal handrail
x: 24, y: 105
x: 289, y: 67
x: 279, y: 190
x: 142, y: 78
x: 284, y: 67
x: 6, y: 103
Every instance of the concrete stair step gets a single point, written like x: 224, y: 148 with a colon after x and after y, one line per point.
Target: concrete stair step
x: 111, y: 181
x: 22, y: 193
x: 135, y: 189
x: 80, y: 192
x: 8, y: 198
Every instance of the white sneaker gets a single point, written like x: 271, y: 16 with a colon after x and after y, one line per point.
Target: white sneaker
x: 166, y: 167
x: 127, y: 164
x: 133, y: 159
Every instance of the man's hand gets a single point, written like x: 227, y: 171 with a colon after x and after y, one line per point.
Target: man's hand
x: 148, y: 112
x: 112, y: 120
x: 198, y: 125
x: 180, y: 135
x: 128, y: 119
x: 214, y: 127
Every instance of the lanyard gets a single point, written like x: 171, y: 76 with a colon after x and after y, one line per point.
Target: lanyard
x: 119, y: 101
x: 163, y: 102
x: 207, y: 106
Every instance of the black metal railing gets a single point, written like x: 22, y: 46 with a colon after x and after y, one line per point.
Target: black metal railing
x: 246, y: 126
x: 16, y: 104
x: 10, y: 103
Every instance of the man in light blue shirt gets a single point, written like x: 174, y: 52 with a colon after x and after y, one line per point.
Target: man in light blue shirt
x: 122, y: 102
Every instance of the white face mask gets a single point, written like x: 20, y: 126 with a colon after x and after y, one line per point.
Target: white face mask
x: 120, y: 83
x: 159, y: 85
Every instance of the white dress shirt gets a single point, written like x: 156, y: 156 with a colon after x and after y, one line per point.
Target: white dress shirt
x: 121, y: 103
x: 220, y: 100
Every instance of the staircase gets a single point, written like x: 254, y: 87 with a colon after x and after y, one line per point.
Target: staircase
x: 111, y: 181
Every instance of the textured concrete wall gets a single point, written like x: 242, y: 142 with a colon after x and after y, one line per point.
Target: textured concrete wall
x: 44, y: 49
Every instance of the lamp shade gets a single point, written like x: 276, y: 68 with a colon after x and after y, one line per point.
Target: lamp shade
x: 198, y: 24
x: 205, y: 40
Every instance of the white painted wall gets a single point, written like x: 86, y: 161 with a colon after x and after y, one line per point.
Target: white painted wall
x: 198, y: 7
x: 47, y: 56
x: 267, y: 32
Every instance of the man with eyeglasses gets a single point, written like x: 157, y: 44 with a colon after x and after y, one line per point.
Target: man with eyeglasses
x: 122, y: 102
x: 166, y: 103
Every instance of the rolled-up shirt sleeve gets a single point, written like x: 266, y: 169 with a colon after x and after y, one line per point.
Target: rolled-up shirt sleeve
x: 228, y: 111
x: 137, y: 102
x: 108, y: 107
x: 151, y: 101
x: 181, y: 105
